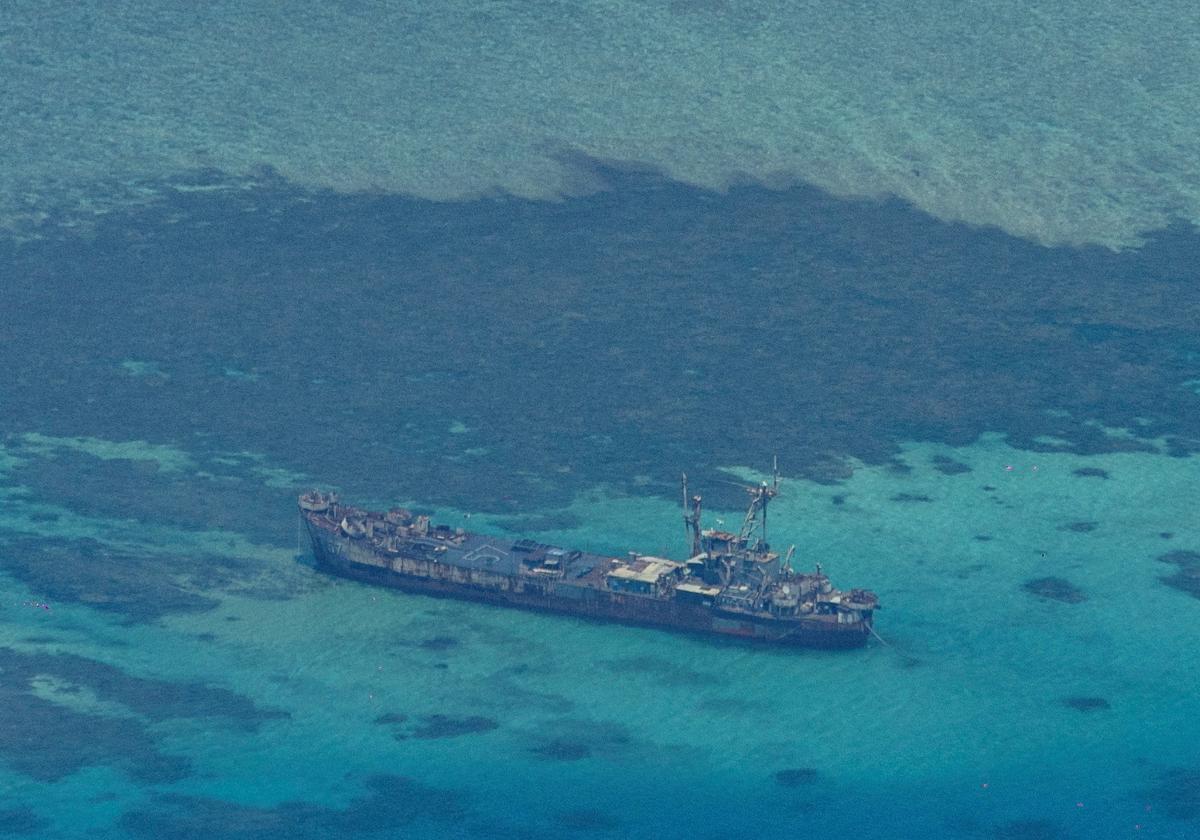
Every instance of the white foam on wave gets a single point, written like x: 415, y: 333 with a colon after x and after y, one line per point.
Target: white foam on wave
x: 1060, y: 122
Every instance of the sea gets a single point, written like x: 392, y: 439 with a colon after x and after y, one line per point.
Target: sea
x: 518, y: 265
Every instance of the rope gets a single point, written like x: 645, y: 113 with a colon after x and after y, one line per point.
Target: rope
x: 886, y: 643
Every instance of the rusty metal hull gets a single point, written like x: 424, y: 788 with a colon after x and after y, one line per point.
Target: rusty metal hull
x: 350, y: 558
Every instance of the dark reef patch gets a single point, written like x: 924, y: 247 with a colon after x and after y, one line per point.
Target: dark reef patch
x: 390, y: 803
x: 219, y: 493
x: 1055, y: 588
x: 391, y: 718
x: 948, y: 466
x: 794, y: 777
x: 931, y: 357
x: 1187, y: 577
x: 839, y: 499
x: 576, y: 739
x: 1090, y: 472
x: 1176, y: 793
x: 562, y: 750
x: 587, y: 820
x: 1087, y: 704
x: 558, y: 521
x: 663, y: 670
x: 446, y: 726
x: 1079, y: 527
x: 47, y: 741
x: 983, y: 538
x: 439, y: 643
x: 21, y: 821
x: 1167, y: 535
x: 911, y: 497
x: 139, y: 587
x: 507, y: 683
x: 41, y: 640
x: 967, y: 571
x: 156, y: 700
x: 433, y: 727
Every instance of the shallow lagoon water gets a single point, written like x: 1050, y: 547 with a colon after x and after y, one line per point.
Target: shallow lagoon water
x: 997, y: 435
x: 960, y: 728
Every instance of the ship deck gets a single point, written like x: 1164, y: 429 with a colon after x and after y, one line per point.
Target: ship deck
x: 499, y: 555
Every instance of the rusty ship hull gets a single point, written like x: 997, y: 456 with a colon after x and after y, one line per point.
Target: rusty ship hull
x: 643, y: 591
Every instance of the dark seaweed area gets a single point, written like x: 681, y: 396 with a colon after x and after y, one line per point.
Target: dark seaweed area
x: 360, y: 326
x: 661, y: 670
x: 21, y: 821
x: 136, y: 586
x: 1087, y: 704
x: 48, y: 740
x: 1187, y: 577
x: 948, y: 466
x: 796, y: 777
x: 391, y: 803
x: 448, y: 726
x: 1055, y: 588
x: 1176, y: 792
x: 560, y: 750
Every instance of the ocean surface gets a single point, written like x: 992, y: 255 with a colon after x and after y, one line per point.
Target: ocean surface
x: 525, y: 263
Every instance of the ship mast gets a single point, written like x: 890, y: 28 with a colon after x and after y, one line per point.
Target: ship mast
x: 756, y: 514
x: 691, y: 517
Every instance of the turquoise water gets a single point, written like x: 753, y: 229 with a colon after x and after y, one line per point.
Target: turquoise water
x: 528, y: 264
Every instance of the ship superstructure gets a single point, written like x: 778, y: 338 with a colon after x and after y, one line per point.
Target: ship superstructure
x: 731, y: 584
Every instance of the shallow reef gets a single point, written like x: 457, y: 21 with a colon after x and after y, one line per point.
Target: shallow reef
x: 562, y: 750
x: 948, y: 466
x: 794, y: 777
x: 390, y: 802
x: 1055, y: 588
x: 1176, y: 792
x: 1187, y: 577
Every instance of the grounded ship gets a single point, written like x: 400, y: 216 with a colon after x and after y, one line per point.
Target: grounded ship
x: 732, y: 585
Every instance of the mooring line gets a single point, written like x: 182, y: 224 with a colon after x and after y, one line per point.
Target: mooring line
x: 886, y: 643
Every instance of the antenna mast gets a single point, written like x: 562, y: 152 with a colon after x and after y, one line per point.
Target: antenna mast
x: 759, y: 497
x: 691, y: 517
